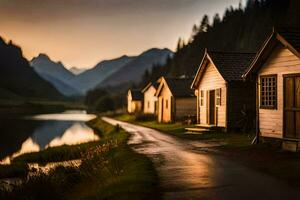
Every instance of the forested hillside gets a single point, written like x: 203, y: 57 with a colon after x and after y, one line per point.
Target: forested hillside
x: 240, y: 29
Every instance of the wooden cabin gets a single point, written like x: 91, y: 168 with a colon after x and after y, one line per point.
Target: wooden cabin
x: 222, y: 95
x: 134, y: 101
x: 276, y: 70
x: 175, y: 99
x: 150, y: 100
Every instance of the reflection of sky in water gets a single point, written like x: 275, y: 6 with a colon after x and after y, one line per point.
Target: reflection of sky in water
x: 78, y: 133
x: 66, y: 116
x: 56, y: 133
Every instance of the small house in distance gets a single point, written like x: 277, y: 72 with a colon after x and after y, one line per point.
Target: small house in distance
x: 150, y: 100
x: 222, y: 95
x: 276, y: 70
x: 175, y: 99
x: 134, y: 101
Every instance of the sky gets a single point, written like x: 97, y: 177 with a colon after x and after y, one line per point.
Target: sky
x: 83, y: 32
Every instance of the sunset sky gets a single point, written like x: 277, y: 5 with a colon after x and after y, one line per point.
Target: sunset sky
x: 83, y: 32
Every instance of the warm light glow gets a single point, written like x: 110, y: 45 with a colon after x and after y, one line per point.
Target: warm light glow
x: 27, y: 147
x: 78, y: 133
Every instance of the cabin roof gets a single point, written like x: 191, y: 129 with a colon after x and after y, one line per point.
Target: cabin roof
x: 230, y: 65
x: 155, y: 84
x: 136, y: 95
x: 289, y: 37
x: 179, y: 87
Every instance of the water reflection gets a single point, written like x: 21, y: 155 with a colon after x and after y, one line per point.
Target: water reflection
x: 39, y: 132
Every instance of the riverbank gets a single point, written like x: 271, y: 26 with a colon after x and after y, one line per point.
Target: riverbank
x: 109, y: 170
x: 266, y: 157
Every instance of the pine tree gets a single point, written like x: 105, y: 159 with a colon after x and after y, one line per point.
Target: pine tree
x: 216, y: 20
x: 204, y: 26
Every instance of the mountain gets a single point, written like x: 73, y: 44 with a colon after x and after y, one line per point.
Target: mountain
x: 133, y: 71
x: 18, y: 79
x: 92, y: 77
x: 62, y: 86
x: 77, y: 71
x: 55, y: 73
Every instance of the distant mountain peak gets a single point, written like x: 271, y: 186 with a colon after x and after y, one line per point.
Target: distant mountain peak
x: 42, y: 56
x: 77, y: 70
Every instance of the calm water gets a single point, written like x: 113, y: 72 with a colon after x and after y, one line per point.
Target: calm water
x: 38, y: 132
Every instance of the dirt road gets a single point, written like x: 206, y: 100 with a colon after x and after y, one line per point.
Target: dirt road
x: 187, y: 171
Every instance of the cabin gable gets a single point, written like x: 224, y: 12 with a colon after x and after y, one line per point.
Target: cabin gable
x: 164, y: 104
x: 280, y: 62
x: 211, y: 80
x: 150, y: 100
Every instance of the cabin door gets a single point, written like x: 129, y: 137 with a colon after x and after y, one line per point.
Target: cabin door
x: 292, y: 106
x: 212, y: 107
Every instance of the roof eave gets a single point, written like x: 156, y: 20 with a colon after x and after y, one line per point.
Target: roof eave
x: 195, y: 81
x: 258, y: 55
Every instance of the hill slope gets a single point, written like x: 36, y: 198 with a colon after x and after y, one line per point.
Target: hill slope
x: 91, y: 78
x: 18, y: 78
x: 55, y: 73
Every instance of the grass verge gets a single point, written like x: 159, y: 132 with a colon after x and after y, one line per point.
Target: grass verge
x: 110, y: 169
x: 178, y: 130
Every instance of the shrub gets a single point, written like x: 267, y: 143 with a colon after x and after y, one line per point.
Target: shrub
x: 144, y: 117
x: 104, y: 104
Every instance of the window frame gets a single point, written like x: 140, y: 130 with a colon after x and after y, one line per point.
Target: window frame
x: 218, y: 96
x: 201, y: 97
x: 261, y: 96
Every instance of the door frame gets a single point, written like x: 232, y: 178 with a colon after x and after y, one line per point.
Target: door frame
x: 209, y: 96
x: 283, y: 109
x: 162, y: 110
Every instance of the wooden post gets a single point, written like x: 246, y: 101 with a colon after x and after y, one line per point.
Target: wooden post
x: 256, y: 140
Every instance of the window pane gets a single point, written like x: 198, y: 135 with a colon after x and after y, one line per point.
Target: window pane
x: 268, y: 91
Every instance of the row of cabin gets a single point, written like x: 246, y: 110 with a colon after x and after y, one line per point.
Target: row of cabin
x: 233, y: 87
x: 170, y: 99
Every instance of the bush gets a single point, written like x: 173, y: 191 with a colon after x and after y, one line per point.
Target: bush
x: 144, y: 117
x: 105, y: 104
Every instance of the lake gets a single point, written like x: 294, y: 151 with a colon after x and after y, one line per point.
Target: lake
x: 19, y: 135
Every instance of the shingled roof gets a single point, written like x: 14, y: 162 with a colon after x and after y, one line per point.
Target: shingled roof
x: 155, y: 84
x: 180, y: 87
x: 136, y: 95
x: 231, y: 65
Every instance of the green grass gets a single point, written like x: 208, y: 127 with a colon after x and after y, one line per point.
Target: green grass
x: 55, y: 154
x: 110, y: 169
x: 178, y: 130
x: 13, y: 170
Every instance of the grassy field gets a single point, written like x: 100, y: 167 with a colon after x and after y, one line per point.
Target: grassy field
x: 109, y: 170
x: 178, y: 130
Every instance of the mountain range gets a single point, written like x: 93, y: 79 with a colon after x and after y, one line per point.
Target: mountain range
x: 55, y: 73
x: 18, y: 80
x: 113, y: 73
x: 76, y: 70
